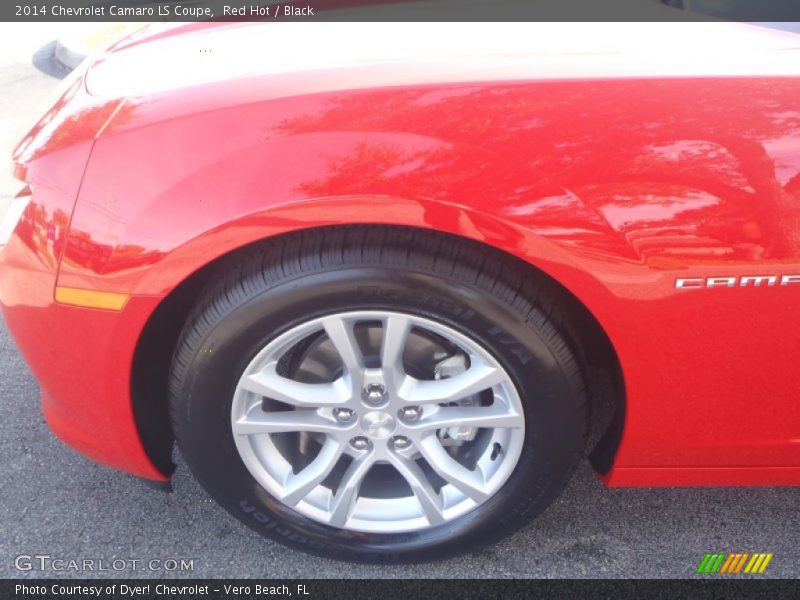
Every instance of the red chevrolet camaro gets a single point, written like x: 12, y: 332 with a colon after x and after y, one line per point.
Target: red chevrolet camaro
x: 362, y: 281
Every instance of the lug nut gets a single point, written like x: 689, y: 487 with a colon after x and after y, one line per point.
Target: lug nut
x: 411, y: 413
x: 343, y: 415
x: 374, y: 394
x: 400, y: 442
x: 359, y: 443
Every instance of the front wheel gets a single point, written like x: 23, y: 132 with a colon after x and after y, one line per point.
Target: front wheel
x: 379, y: 394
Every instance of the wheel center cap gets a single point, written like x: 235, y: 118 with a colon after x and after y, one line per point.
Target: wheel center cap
x: 378, y: 424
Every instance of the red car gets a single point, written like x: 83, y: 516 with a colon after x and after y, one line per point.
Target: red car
x: 363, y: 288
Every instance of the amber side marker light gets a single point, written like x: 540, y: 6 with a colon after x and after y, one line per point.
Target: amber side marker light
x: 91, y: 298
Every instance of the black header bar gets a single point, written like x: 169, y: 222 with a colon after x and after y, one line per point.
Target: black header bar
x: 399, y: 10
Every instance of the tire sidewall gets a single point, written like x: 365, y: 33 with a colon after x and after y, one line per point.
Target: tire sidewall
x: 526, y: 350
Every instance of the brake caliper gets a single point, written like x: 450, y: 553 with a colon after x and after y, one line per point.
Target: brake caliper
x: 457, y: 435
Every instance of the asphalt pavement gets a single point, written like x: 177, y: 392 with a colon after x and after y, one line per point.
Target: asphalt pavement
x: 56, y: 503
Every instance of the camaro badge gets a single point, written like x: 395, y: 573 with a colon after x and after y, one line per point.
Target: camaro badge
x: 685, y: 283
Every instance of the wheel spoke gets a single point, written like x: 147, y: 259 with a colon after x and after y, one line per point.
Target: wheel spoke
x: 260, y: 421
x: 477, y: 378
x: 270, y: 384
x: 344, y: 500
x: 395, y: 336
x: 469, y: 482
x: 297, y: 486
x: 430, y: 502
x: 497, y: 415
x: 340, y: 332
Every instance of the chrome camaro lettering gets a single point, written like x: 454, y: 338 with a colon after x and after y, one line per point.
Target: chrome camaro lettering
x: 757, y: 280
x: 686, y: 283
x: 721, y: 282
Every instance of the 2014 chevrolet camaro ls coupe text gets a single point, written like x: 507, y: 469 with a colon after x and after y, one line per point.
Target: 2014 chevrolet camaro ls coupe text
x: 361, y: 288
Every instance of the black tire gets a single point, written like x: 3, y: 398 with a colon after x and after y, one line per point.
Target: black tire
x: 485, y: 294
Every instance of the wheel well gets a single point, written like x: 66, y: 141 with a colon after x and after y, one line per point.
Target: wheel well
x: 154, y: 351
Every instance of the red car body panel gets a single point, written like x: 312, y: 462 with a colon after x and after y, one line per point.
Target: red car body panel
x: 616, y: 187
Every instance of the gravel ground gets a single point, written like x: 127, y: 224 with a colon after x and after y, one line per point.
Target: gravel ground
x: 55, y: 502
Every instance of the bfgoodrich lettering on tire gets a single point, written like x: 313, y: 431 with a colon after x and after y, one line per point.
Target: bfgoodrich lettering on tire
x: 379, y: 393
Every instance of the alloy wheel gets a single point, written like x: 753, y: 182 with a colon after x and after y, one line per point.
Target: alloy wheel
x: 378, y: 421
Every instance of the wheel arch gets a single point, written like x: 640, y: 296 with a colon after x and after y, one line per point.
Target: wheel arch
x: 156, y: 344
